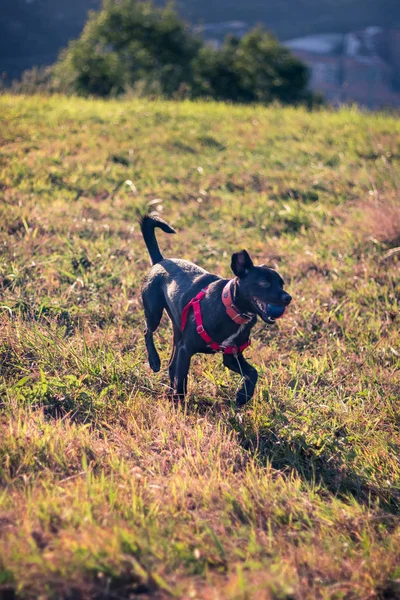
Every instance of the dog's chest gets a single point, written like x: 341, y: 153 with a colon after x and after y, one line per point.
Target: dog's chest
x: 231, y: 340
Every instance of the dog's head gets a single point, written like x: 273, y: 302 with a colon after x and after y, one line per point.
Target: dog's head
x: 258, y: 286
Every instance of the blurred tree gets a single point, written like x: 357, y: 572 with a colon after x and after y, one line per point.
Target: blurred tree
x: 215, y: 74
x: 256, y: 68
x: 127, y: 42
x: 269, y: 71
x: 132, y: 44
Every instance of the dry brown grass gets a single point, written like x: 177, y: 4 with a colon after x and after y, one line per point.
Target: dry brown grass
x: 380, y: 220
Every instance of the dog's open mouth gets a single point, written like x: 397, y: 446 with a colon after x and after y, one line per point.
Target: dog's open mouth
x: 269, y: 312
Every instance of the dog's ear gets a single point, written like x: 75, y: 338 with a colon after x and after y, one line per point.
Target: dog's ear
x: 241, y: 263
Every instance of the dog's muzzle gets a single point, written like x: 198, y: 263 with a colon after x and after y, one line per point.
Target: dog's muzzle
x: 269, y: 312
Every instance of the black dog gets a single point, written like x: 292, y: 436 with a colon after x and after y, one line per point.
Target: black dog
x: 207, y: 313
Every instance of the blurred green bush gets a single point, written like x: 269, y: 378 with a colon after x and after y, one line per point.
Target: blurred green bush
x: 134, y: 47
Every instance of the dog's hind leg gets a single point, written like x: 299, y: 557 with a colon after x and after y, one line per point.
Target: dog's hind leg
x: 238, y: 364
x: 153, y: 302
x: 181, y: 371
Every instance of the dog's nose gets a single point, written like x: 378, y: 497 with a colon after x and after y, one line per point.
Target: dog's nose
x: 286, y: 298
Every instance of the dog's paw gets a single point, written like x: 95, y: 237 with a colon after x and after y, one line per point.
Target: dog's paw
x: 241, y: 399
x: 155, y: 363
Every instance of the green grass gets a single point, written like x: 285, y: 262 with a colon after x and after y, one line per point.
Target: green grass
x: 109, y: 490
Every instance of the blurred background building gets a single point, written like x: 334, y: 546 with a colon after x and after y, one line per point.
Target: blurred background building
x: 359, y: 66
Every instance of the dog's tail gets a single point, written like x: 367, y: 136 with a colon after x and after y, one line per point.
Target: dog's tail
x: 147, y: 226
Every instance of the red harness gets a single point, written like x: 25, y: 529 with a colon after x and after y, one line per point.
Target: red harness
x: 232, y: 312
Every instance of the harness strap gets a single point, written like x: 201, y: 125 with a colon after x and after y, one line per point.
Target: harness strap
x: 185, y: 312
x: 195, y: 302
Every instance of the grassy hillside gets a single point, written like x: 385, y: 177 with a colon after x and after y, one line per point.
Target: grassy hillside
x: 108, y: 489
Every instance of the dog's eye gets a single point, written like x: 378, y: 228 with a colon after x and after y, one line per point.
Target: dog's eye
x: 264, y: 283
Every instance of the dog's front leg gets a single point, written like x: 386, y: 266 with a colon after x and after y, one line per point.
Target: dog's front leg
x: 174, y: 357
x: 238, y: 364
x: 181, y: 371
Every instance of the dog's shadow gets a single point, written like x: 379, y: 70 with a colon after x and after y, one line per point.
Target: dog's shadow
x: 325, y: 469
x: 279, y: 445
x: 276, y: 445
